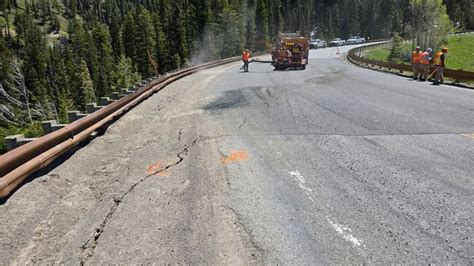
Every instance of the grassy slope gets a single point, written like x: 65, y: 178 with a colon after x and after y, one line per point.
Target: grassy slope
x: 461, y: 52
x: 460, y: 55
x: 382, y: 54
x: 55, y: 11
x: 32, y: 131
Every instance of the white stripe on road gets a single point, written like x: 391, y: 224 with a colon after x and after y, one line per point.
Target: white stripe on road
x: 345, y: 232
x: 301, y: 182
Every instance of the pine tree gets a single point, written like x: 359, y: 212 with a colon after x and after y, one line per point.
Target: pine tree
x: 59, y: 83
x: 161, y: 47
x: 251, y: 32
x: 6, y: 57
x: 262, y: 23
x: 34, y: 65
x: 126, y: 74
x: 128, y: 36
x: 116, y: 36
x: 233, y: 32
x: 87, y: 89
x: 397, y: 47
x: 145, y: 37
x: 74, y: 73
x: 178, y: 37
x: 106, y: 61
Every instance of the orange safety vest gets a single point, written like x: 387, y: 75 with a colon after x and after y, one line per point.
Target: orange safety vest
x: 437, y: 59
x: 245, y: 56
x: 415, y: 57
x: 423, y: 59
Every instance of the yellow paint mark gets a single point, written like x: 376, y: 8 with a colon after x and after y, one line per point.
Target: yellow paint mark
x: 235, y: 156
x: 468, y: 135
x: 158, y: 168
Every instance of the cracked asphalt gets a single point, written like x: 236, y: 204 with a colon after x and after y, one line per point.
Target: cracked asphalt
x: 335, y: 164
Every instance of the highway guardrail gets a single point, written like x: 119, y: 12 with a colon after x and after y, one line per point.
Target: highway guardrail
x: 354, y: 56
x: 17, y: 164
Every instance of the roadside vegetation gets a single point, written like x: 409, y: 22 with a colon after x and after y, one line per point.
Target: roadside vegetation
x: 460, y: 55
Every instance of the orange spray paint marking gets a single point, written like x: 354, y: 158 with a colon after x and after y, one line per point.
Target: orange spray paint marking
x: 235, y: 156
x: 158, y: 168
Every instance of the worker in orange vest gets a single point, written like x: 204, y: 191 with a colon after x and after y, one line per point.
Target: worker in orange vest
x: 439, y: 62
x: 245, y: 59
x: 415, y: 62
x: 425, y: 61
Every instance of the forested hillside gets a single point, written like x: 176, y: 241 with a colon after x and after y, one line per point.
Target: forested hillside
x: 58, y: 55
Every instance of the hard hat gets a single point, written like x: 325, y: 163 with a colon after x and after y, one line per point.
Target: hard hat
x: 445, y: 49
x: 418, y: 48
x: 247, y: 50
x: 429, y: 50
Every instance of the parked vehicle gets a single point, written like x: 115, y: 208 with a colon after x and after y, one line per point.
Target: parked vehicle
x: 317, y: 43
x: 355, y: 40
x: 337, y: 42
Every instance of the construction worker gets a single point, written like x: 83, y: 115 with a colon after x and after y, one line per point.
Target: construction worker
x: 245, y: 59
x: 415, y: 62
x: 425, y: 61
x: 439, y: 62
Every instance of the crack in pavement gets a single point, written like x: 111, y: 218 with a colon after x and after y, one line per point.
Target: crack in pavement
x: 180, y: 132
x: 243, y: 123
x: 91, y: 243
x: 247, y: 231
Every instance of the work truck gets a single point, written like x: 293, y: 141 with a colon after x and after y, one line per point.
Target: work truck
x: 291, y: 51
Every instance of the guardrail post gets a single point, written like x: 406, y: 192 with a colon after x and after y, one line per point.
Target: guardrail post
x: 90, y: 107
x: 22, y: 141
x: 12, y: 141
x: 125, y: 92
x: 48, y: 126
x: 74, y: 115
x: 104, y: 100
x: 57, y: 126
x: 98, y: 107
x: 115, y: 96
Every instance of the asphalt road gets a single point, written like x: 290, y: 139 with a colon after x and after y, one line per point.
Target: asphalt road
x: 334, y: 164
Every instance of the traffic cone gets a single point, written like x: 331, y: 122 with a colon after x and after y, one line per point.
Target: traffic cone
x: 337, y: 51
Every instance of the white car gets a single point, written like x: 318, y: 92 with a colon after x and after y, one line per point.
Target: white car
x: 337, y: 42
x: 317, y: 43
x: 355, y: 40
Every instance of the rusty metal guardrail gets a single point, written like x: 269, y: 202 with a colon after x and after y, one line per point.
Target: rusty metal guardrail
x: 354, y: 56
x: 16, y: 165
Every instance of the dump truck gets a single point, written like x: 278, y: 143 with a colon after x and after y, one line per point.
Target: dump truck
x: 291, y: 51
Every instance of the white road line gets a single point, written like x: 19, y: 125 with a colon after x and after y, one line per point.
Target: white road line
x: 345, y: 232
x: 301, y: 182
